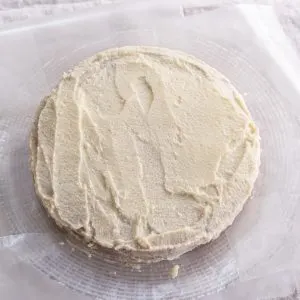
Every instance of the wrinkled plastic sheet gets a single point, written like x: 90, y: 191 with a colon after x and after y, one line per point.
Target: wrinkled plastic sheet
x: 257, y: 257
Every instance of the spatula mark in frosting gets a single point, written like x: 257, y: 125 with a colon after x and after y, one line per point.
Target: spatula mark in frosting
x: 144, y: 93
x: 92, y: 179
x: 140, y: 91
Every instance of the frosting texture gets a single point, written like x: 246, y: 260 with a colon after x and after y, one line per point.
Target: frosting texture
x: 144, y: 150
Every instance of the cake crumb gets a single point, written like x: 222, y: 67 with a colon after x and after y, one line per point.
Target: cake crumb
x: 143, y: 242
x: 90, y: 245
x: 61, y: 243
x: 174, y: 271
x: 89, y: 255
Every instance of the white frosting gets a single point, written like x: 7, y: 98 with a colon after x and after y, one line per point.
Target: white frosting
x: 144, y: 149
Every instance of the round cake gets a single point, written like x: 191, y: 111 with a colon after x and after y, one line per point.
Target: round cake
x: 146, y: 151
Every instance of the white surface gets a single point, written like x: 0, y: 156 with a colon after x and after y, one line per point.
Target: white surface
x: 258, y: 257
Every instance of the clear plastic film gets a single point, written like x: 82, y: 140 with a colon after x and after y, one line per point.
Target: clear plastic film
x: 256, y: 254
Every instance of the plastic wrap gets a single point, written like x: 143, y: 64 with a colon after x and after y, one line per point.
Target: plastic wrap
x: 257, y: 257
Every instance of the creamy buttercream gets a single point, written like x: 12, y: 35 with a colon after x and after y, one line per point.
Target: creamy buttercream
x: 146, y: 151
